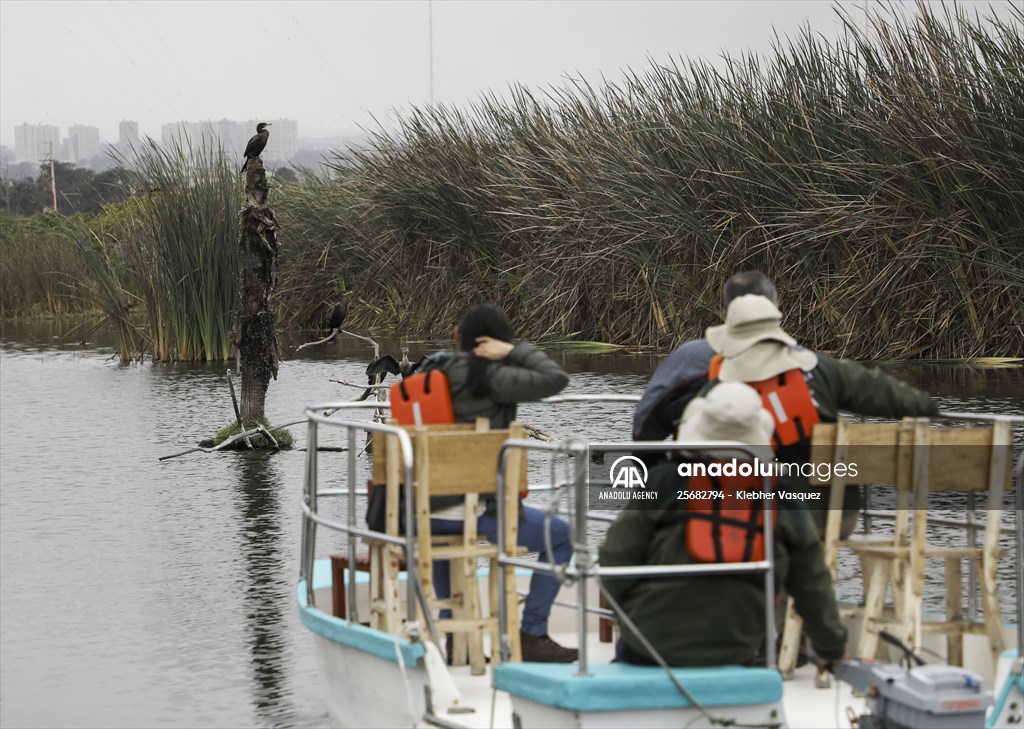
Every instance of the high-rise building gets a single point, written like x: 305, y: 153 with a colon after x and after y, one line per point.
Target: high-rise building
x: 36, y: 142
x: 83, y: 143
x: 127, y: 134
x: 180, y: 134
x: 283, y: 142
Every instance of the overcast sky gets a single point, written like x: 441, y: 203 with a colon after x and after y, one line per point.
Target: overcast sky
x: 331, y: 65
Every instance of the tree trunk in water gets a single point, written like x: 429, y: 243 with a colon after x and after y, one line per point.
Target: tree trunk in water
x: 255, y: 334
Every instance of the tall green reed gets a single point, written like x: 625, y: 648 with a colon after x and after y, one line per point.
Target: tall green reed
x: 173, y: 250
x: 877, y: 178
x: 40, y: 270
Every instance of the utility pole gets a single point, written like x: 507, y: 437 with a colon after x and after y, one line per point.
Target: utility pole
x: 430, y: 33
x: 53, y: 178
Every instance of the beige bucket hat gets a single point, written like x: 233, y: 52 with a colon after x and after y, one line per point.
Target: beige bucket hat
x: 753, y: 344
x: 731, y: 411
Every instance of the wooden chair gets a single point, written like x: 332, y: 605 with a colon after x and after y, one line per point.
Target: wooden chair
x: 924, y: 460
x: 882, y: 457
x: 963, y: 460
x: 453, y: 460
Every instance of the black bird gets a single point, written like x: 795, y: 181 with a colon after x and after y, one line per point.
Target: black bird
x: 388, y: 364
x: 338, y: 314
x: 256, y: 144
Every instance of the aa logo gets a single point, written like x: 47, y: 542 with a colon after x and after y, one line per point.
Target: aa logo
x: 628, y: 472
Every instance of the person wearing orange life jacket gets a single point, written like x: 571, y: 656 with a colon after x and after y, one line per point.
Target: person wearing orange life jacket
x: 683, y: 374
x: 801, y: 388
x: 488, y: 376
x: 716, y: 619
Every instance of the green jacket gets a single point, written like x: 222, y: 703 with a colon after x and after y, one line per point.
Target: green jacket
x: 526, y: 374
x: 714, y: 620
x: 842, y: 384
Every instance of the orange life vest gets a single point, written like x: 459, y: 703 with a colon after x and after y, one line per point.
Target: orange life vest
x: 422, y: 399
x: 726, y: 529
x: 788, y: 398
x: 425, y: 399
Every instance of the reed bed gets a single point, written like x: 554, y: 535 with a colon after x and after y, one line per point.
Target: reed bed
x: 40, y: 270
x: 165, y: 264
x: 878, y: 179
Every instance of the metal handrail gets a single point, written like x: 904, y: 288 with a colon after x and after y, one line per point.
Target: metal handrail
x: 584, y: 570
x: 987, y: 417
x: 311, y: 517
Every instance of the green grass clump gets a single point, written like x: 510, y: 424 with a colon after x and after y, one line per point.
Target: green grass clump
x: 40, y: 269
x: 285, y: 440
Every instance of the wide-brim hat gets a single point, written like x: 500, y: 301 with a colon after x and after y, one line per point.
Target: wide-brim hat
x: 766, y: 359
x: 732, y: 412
x: 748, y: 320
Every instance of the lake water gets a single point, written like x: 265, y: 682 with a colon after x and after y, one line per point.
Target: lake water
x: 137, y: 592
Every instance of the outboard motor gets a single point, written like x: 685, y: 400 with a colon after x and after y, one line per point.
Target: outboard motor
x: 922, y: 697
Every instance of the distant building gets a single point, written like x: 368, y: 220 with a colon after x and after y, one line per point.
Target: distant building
x: 284, y: 140
x: 36, y: 142
x: 178, y: 134
x: 127, y: 135
x: 83, y: 143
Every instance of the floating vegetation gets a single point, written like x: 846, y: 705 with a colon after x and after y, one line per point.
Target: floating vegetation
x: 567, y: 345
x: 285, y: 440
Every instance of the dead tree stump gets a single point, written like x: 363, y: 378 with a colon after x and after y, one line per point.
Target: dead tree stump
x: 255, y: 332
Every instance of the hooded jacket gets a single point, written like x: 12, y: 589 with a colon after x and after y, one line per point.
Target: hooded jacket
x: 526, y: 374
x: 715, y: 619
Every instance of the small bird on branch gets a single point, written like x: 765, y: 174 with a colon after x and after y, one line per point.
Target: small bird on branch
x: 337, y: 318
x: 388, y: 364
x: 256, y: 144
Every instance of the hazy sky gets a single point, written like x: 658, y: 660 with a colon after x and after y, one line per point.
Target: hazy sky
x: 331, y: 65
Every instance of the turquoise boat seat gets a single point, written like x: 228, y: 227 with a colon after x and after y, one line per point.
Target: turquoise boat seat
x: 624, y: 687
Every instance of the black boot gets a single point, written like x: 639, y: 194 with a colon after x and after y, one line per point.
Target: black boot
x: 541, y: 649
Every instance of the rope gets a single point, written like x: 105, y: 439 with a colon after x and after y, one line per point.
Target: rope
x: 713, y: 719
x: 405, y: 678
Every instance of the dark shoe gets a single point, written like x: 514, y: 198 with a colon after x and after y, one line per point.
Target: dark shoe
x: 541, y: 649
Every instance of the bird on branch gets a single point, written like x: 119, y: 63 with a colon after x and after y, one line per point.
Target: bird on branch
x: 338, y: 314
x: 337, y: 318
x: 256, y: 144
x: 388, y: 364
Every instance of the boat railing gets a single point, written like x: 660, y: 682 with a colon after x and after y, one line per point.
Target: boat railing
x: 587, y: 568
x: 324, y: 415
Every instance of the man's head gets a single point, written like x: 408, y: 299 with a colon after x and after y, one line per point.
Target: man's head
x: 731, y: 411
x: 748, y: 282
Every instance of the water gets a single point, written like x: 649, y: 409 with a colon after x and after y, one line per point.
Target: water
x: 144, y: 593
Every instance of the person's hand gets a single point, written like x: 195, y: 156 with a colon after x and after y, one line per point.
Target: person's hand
x: 825, y: 664
x: 491, y: 348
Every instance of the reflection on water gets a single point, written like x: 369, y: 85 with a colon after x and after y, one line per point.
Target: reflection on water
x: 139, y: 592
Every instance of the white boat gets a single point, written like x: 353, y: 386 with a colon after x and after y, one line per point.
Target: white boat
x: 374, y: 678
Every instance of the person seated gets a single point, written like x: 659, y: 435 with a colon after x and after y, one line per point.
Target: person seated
x: 802, y: 388
x: 715, y: 619
x: 488, y: 376
x: 682, y: 375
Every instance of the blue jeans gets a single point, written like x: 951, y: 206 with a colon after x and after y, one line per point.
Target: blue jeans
x: 543, y: 588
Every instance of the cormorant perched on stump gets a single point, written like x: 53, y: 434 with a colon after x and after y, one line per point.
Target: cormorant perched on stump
x: 256, y: 145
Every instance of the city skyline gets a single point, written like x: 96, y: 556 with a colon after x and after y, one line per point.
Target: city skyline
x: 339, y: 68
x: 35, y: 142
x: 344, y: 66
